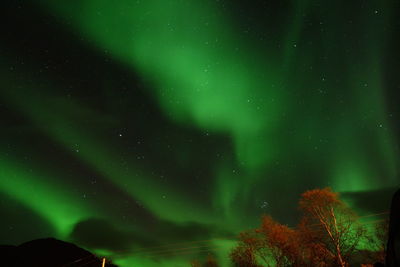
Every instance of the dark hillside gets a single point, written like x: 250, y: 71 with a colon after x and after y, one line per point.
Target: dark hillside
x: 48, y: 252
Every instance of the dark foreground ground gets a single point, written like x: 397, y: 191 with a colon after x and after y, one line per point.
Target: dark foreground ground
x: 48, y: 252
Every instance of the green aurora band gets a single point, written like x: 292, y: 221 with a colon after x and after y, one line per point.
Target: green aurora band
x: 189, y: 51
x: 45, y: 198
x: 52, y: 117
x: 205, y: 75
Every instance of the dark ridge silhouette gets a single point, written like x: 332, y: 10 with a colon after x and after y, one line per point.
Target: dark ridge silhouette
x: 48, y: 252
x: 393, y: 245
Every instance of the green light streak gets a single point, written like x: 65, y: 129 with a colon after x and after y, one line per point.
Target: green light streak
x: 62, y: 121
x: 47, y: 197
x: 202, y: 74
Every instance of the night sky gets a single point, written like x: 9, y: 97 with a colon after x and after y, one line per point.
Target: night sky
x: 132, y: 124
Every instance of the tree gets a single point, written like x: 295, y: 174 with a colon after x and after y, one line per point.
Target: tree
x: 244, y: 255
x: 329, y: 224
x: 272, y: 244
x: 313, y: 253
x: 211, y: 262
x: 377, y: 239
x: 195, y: 263
x: 382, y: 235
x: 281, y: 242
x: 328, y: 235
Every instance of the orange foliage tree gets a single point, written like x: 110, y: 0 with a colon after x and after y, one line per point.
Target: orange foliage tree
x: 211, y: 262
x: 272, y: 244
x: 281, y: 242
x: 195, y: 263
x: 245, y: 254
x: 328, y: 235
x: 331, y: 225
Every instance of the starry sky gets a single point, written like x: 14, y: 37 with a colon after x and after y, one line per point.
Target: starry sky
x: 135, y: 126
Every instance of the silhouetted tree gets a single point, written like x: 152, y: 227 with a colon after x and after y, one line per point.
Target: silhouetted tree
x: 393, y: 244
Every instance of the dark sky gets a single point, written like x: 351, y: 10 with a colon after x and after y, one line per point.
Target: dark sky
x: 127, y: 125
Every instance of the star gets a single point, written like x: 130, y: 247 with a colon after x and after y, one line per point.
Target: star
x: 264, y: 205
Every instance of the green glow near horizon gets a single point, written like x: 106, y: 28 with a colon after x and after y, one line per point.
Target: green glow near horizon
x: 49, y: 199
x: 222, y: 248
x: 58, y: 119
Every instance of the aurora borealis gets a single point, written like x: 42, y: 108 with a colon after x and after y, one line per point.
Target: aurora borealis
x: 133, y: 124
